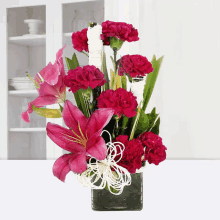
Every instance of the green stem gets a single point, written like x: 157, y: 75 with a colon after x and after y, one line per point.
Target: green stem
x: 115, y: 66
x: 84, y: 53
x: 116, y: 128
x: 87, y: 100
x: 96, y: 93
x: 124, y: 124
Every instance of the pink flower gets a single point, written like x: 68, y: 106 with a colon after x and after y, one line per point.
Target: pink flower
x: 154, y: 148
x: 80, y: 40
x: 134, y: 65
x: 131, y: 159
x: 120, y: 30
x: 51, y: 87
x: 122, y: 101
x: 82, y: 78
x: 81, y: 139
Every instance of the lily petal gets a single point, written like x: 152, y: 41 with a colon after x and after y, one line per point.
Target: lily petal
x: 25, y: 115
x: 40, y: 101
x: 64, y: 138
x: 73, y: 117
x: 78, y: 163
x: 59, y: 56
x: 51, y: 73
x: 51, y: 76
x: 96, y: 147
x: 98, y: 120
x: 60, y: 86
x: 43, y: 72
x: 61, y: 167
x: 47, y: 90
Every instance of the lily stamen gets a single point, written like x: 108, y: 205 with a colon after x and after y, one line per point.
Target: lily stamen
x: 41, y: 78
x: 81, y: 132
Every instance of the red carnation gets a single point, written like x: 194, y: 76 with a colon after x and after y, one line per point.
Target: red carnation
x: 134, y: 65
x: 154, y: 148
x: 82, y: 78
x: 80, y: 40
x: 131, y: 158
x: 121, y: 30
x: 122, y: 101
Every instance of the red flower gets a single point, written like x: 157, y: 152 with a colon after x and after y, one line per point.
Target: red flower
x: 82, y: 78
x: 80, y: 40
x: 121, y: 30
x: 154, y: 148
x: 134, y: 65
x: 122, y: 101
x: 131, y: 159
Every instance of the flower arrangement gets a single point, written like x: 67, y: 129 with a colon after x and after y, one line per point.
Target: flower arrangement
x: 108, y: 136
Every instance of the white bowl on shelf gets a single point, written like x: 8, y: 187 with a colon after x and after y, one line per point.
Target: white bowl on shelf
x: 33, y: 25
x: 23, y: 86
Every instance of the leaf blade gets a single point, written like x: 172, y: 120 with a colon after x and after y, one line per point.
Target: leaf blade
x: 48, y: 113
x: 151, y: 80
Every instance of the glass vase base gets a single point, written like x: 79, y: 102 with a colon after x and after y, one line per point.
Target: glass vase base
x: 131, y: 198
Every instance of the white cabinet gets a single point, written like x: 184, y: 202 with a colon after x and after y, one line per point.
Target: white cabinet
x: 25, y: 52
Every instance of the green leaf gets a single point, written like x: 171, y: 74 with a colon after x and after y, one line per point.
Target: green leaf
x: 80, y: 98
x: 124, y: 82
x: 152, y: 117
x: 155, y: 129
x: 72, y: 64
x: 143, y: 124
x: 48, y: 113
x: 147, y: 122
x: 129, y: 78
x: 61, y: 108
x: 135, y: 121
x: 105, y: 71
x: 113, y: 62
x: 112, y: 74
x: 153, y: 112
x: 77, y: 99
x: 151, y: 80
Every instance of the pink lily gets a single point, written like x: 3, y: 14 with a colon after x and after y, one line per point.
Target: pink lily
x: 81, y: 139
x: 50, y: 85
x: 51, y: 72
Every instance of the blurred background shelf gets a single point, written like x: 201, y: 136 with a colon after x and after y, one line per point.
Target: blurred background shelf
x: 23, y: 93
x: 28, y: 40
x: 43, y: 129
x: 67, y: 37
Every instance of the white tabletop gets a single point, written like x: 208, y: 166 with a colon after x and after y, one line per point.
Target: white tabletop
x: 174, y: 190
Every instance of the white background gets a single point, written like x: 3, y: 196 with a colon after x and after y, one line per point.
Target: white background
x: 186, y: 95
x: 174, y: 190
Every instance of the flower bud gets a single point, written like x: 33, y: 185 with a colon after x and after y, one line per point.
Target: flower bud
x: 115, y: 43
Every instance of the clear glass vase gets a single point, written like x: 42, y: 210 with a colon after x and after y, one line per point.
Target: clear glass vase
x: 130, y: 199
x: 81, y: 19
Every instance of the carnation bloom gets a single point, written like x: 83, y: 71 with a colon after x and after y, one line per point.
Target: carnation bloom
x: 83, y: 77
x: 81, y: 139
x: 50, y: 85
x: 134, y: 65
x: 122, y: 101
x: 132, y: 155
x: 80, y: 40
x: 154, y: 148
x: 120, y: 30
